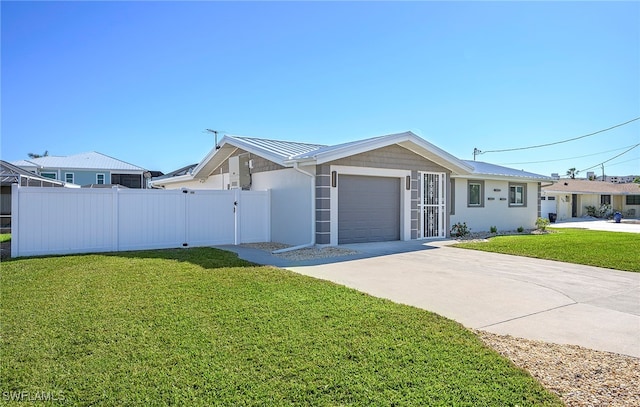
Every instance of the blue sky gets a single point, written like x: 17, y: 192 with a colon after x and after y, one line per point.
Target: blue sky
x: 141, y: 81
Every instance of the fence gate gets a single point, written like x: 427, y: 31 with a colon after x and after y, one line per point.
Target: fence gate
x: 65, y: 220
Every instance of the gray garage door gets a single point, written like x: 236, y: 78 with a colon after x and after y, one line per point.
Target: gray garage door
x: 368, y: 209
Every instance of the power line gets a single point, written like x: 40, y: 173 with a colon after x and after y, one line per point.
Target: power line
x: 612, y: 158
x: 566, y: 159
x: 622, y: 162
x: 476, y: 151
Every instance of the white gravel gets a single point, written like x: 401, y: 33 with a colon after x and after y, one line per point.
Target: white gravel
x: 309, y: 253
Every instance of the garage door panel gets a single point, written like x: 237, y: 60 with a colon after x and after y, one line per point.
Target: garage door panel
x: 368, y: 209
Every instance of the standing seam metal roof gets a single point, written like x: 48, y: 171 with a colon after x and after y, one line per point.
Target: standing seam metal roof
x: 91, y: 160
x: 483, y: 168
x: 285, y: 149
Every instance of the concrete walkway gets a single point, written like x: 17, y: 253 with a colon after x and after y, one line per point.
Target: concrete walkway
x: 529, y: 298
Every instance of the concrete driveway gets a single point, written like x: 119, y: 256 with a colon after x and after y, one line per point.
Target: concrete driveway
x: 627, y: 225
x: 530, y: 298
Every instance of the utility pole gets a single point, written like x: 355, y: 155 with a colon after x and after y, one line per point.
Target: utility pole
x: 475, y: 153
x: 602, y: 172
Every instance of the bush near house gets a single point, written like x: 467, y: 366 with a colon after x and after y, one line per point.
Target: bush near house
x: 200, y: 327
x: 460, y: 229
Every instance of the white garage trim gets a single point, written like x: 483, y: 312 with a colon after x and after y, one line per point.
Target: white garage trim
x: 405, y: 197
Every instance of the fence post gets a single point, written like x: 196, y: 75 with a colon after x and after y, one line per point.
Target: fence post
x: 15, y: 225
x: 187, y: 219
x: 268, y: 232
x: 115, y: 224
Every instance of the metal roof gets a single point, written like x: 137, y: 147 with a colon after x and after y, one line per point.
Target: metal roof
x: 287, y: 153
x: 90, y: 161
x: 180, y: 171
x: 10, y: 174
x: 482, y: 168
x: 329, y: 149
x: 285, y: 149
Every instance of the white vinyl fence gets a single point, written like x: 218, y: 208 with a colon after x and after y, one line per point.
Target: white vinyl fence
x: 64, y: 220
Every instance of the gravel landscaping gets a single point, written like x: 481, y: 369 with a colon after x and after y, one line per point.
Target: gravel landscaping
x: 579, y: 376
x: 308, y: 253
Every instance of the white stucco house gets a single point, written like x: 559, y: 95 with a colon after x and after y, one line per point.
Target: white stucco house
x: 393, y: 187
x: 569, y: 198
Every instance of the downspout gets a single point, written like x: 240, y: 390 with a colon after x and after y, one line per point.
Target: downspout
x: 313, y: 213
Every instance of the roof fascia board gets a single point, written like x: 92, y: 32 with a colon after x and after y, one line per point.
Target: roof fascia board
x: 258, y: 151
x: 212, y: 163
x: 490, y: 177
x: 238, y: 144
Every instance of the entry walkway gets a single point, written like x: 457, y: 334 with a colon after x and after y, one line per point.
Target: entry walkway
x: 530, y: 298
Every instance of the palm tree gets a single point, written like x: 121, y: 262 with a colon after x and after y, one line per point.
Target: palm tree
x: 572, y: 172
x: 34, y: 155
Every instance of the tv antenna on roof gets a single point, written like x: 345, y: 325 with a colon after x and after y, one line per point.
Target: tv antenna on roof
x: 215, y: 132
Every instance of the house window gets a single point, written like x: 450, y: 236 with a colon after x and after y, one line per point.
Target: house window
x: 475, y: 195
x: 99, y: 179
x: 552, y: 198
x: 633, y: 199
x: 605, y: 199
x: 68, y: 177
x: 517, y: 195
x: 51, y: 175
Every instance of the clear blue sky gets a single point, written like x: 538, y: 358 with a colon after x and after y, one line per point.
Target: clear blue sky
x: 142, y: 81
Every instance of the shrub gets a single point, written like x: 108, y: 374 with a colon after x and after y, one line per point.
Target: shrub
x: 604, y: 211
x: 542, y: 223
x: 460, y: 229
x: 520, y: 229
x: 493, y: 229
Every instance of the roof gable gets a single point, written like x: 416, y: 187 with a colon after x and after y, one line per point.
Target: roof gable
x: 408, y: 140
x: 287, y: 153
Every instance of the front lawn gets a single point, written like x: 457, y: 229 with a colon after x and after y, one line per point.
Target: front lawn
x: 615, y: 250
x: 200, y: 327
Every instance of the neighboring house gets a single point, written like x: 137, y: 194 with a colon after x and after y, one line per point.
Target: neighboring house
x: 568, y: 198
x: 618, y: 179
x: 394, y: 187
x: 86, y: 169
x: 10, y: 174
x: 186, y: 170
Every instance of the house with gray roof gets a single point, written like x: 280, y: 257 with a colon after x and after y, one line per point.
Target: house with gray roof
x: 87, y: 169
x: 392, y: 187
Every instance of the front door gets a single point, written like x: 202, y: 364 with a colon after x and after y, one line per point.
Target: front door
x: 574, y: 205
x: 432, y: 204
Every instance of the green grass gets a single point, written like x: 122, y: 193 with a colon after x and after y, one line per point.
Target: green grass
x: 5, y: 237
x: 200, y: 327
x: 613, y: 250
